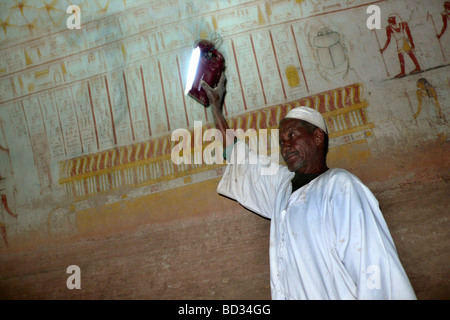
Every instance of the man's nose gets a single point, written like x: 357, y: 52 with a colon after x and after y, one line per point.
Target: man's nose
x: 286, y: 145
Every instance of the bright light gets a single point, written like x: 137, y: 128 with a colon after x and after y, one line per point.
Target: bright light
x: 195, y: 58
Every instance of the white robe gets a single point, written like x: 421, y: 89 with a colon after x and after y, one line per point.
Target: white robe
x: 328, y: 239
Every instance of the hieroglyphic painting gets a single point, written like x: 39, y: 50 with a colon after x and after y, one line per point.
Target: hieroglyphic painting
x: 90, y: 110
x: 344, y: 110
x: 399, y: 35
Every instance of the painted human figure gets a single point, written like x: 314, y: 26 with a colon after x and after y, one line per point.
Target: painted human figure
x: 445, y: 18
x: 4, y: 203
x: 427, y: 92
x: 401, y: 33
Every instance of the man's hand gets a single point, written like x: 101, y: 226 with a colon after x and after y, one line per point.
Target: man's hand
x: 215, y: 95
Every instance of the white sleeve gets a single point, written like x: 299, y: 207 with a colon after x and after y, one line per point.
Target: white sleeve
x: 365, y: 245
x: 254, y: 183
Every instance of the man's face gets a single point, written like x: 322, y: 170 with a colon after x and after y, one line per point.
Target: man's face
x: 297, y: 145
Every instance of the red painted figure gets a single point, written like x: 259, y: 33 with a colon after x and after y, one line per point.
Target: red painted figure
x: 4, y: 204
x: 405, y: 44
x: 445, y: 17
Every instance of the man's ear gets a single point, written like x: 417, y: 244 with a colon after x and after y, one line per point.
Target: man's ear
x: 319, y: 136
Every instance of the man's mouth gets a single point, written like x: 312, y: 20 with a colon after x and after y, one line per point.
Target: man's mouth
x: 290, y: 155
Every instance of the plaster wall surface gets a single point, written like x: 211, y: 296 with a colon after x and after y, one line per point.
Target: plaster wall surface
x: 87, y: 115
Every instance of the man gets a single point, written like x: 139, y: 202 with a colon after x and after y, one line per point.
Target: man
x: 328, y: 238
x: 401, y: 33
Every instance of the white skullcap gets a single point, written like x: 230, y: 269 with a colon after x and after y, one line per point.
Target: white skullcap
x: 309, y: 115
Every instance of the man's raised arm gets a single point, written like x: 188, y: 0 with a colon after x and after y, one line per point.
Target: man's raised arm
x: 216, y: 96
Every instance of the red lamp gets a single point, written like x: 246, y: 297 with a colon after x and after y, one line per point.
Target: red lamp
x: 206, y: 64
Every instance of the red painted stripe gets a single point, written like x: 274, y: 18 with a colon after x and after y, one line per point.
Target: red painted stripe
x: 93, y: 115
x: 128, y: 104
x: 146, y: 103
x: 110, y: 109
x: 257, y: 68
x: 182, y: 92
x: 164, y: 95
x: 278, y: 66
x: 239, y: 76
x: 299, y: 59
